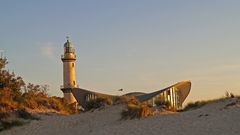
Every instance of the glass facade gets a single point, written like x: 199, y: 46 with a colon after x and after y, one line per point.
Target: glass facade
x: 90, y: 97
x: 168, y: 97
x: 69, y: 50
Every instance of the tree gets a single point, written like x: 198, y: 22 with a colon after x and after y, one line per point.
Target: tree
x: 10, y: 84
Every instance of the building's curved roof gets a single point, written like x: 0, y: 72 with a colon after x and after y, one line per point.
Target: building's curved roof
x: 134, y: 94
x: 183, y: 89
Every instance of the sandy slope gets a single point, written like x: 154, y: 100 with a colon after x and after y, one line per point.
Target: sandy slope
x: 212, y: 119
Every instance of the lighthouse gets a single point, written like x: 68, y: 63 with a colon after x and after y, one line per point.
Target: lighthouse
x: 69, y: 74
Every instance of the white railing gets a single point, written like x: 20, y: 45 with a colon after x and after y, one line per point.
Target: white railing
x: 63, y: 56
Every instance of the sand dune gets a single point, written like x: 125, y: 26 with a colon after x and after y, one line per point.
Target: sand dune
x: 220, y: 118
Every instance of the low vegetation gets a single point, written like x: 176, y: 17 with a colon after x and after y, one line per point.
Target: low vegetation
x: 135, y: 109
x: 100, y: 101
x: 125, y: 100
x: 19, y: 98
x: 199, y: 104
x: 16, y: 95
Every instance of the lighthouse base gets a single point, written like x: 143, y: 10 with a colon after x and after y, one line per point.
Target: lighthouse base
x: 67, y: 92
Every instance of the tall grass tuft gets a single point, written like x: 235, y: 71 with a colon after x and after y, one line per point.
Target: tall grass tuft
x: 100, y: 101
x: 136, y: 111
x: 198, y: 104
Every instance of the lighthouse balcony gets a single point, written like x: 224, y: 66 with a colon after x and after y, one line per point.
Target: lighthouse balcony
x: 62, y: 87
x: 68, y: 57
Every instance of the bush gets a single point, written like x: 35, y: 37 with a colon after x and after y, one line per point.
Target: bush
x: 133, y: 101
x: 126, y: 100
x: 15, y: 94
x: 105, y: 99
x: 94, y: 104
x: 136, y: 111
x: 8, y: 106
x: 30, y: 103
x: 121, y: 99
x: 56, y: 103
x: 98, y: 102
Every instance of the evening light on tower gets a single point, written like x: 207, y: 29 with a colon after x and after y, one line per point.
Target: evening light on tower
x: 69, y: 76
x: 128, y: 67
x: 175, y: 94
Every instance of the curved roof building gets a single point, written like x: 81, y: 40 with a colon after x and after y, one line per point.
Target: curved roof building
x: 175, y: 95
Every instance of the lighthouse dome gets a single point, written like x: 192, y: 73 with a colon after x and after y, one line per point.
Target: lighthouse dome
x: 68, y: 44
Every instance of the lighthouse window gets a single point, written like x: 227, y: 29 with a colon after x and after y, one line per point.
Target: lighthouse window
x: 72, y: 64
x: 74, y: 82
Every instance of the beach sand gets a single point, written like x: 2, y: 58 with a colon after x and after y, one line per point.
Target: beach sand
x: 220, y: 118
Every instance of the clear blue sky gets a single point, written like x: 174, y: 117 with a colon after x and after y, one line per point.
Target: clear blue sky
x: 137, y: 45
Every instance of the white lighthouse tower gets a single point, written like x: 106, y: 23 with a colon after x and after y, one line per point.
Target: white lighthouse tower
x: 69, y: 77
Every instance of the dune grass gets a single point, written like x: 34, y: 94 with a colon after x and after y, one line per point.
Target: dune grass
x: 135, y: 109
x: 199, y: 104
x: 100, y: 101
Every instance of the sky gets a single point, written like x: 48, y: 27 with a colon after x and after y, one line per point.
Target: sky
x: 136, y: 45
